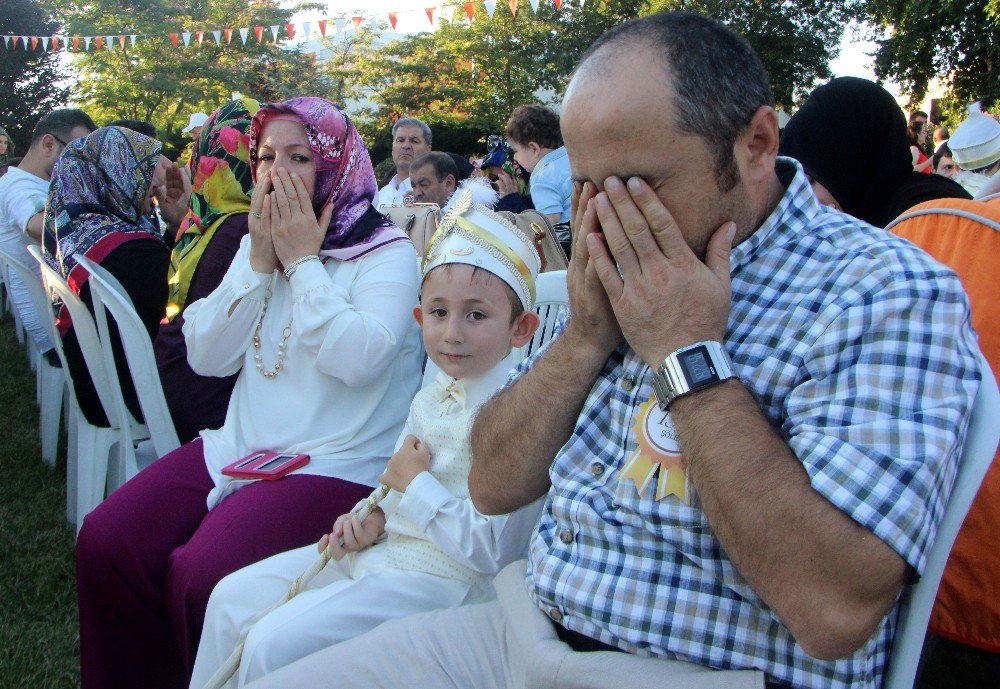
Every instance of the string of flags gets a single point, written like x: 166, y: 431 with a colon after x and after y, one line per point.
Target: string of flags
x: 269, y: 33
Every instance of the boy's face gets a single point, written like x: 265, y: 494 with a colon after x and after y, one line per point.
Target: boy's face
x: 466, y: 320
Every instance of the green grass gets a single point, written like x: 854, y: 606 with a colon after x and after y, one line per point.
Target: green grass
x: 39, y: 638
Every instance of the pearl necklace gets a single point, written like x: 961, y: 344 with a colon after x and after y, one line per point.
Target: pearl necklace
x: 285, y: 334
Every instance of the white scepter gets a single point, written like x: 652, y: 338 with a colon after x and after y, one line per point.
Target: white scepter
x: 232, y: 664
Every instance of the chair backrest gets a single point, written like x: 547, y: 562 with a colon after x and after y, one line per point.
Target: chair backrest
x: 86, y: 336
x: 40, y: 300
x: 108, y: 293
x: 551, y: 298
x: 915, y: 607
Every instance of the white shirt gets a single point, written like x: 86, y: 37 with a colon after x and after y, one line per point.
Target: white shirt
x: 352, y: 364
x: 392, y: 192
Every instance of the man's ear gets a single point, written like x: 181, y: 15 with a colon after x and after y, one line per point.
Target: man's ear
x: 418, y: 315
x: 449, y: 183
x: 524, y: 327
x: 757, y: 146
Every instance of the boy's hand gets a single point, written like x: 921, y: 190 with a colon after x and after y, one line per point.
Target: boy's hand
x: 413, y: 458
x: 349, y: 536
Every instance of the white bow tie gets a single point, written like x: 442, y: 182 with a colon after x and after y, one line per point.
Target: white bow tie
x: 451, y: 390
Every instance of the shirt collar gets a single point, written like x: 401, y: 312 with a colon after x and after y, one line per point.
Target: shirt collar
x: 480, y: 388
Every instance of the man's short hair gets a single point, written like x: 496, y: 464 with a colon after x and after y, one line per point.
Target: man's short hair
x: 719, y: 82
x: 534, y: 123
x: 941, y: 133
x: 144, y: 128
x: 441, y: 162
x: 61, y: 122
x: 413, y: 121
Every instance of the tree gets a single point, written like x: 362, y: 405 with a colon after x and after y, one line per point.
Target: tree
x: 31, y: 83
x: 958, y: 40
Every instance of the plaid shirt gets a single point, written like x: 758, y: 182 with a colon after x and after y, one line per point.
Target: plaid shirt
x: 859, y: 349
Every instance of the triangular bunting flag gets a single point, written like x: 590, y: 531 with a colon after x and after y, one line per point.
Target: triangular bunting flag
x: 217, y: 35
x: 186, y: 37
x: 121, y: 41
x: 357, y: 23
x: 558, y: 4
x: 491, y: 7
x: 200, y: 36
x: 258, y: 31
x: 274, y: 31
x: 513, y: 7
x: 6, y: 41
x: 132, y: 38
x: 34, y: 42
x: 109, y: 43
x: 45, y: 42
x: 243, y: 34
x: 55, y: 43
x: 430, y: 14
x: 373, y: 24
x: 86, y: 42
x: 173, y: 39
x: 228, y: 33
x: 470, y: 10
x: 76, y: 42
x: 290, y: 30
x: 393, y: 16
x: 339, y: 23
x: 322, y: 27
x: 534, y: 5
x: 306, y: 30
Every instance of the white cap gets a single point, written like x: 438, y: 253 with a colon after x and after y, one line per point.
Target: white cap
x: 976, y: 142
x: 472, y: 234
x: 197, y: 120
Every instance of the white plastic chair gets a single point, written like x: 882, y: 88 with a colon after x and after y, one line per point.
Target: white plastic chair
x: 9, y: 304
x: 94, y: 450
x: 51, y: 380
x: 918, y: 599
x: 551, y: 298
x: 108, y: 292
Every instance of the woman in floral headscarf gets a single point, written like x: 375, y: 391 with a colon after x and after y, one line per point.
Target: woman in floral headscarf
x: 315, y: 313
x: 208, y: 240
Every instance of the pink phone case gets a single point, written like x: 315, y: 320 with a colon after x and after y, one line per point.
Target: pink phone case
x: 266, y: 465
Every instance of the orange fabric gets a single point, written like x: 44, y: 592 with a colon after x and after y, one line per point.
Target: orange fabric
x: 967, y: 608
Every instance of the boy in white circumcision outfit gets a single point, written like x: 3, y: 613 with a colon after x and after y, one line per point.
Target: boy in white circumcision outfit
x: 439, y: 551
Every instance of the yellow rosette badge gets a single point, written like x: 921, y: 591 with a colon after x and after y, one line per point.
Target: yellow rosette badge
x: 657, y: 454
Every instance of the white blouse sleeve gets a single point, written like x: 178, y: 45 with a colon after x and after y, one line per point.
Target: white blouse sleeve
x: 217, y: 333
x: 355, y: 333
x: 484, y: 544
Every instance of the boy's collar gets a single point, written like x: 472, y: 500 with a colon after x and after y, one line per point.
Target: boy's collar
x: 480, y: 388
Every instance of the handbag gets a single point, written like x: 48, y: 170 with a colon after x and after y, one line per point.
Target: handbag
x: 418, y: 220
x: 541, y: 231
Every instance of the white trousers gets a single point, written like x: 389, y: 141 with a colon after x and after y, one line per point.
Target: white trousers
x: 503, y: 644
x: 346, y: 599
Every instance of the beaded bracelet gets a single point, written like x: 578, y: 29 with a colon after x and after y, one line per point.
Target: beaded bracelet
x: 294, y: 265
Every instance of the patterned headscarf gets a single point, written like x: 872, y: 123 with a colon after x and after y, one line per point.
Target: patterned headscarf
x: 223, y: 182
x: 9, y: 153
x: 95, y: 200
x: 344, y: 176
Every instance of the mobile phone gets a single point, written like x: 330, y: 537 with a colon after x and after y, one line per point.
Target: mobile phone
x: 268, y: 466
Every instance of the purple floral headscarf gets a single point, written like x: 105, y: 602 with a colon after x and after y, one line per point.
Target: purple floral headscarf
x: 344, y: 176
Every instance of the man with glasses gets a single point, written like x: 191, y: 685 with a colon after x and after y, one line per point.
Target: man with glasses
x: 22, y: 201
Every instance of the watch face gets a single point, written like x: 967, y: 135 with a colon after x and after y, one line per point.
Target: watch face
x: 697, y: 367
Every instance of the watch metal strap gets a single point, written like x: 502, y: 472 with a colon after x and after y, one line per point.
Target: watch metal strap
x: 670, y: 381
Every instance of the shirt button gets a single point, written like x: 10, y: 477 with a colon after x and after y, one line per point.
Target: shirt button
x: 626, y: 384
x: 246, y: 286
x: 597, y: 469
x: 555, y: 615
x: 566, y: 536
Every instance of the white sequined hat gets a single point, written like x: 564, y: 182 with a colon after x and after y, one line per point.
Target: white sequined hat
x: 976, y: 142
x: 474, y: 235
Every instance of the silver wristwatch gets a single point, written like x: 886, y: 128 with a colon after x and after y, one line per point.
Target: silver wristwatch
x: 698, y: 366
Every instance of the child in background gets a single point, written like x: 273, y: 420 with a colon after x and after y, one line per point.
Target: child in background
x: 475, y: 307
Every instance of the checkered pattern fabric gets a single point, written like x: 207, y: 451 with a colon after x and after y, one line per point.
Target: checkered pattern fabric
x: 859, y: 348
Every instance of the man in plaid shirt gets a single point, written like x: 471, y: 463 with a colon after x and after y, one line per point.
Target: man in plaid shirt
x: 760, y: 529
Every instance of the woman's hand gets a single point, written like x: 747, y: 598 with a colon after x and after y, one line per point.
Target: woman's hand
x: 172, y: 192
x: 505, y: 184
x: 413, y: 458
x: 295, y: 231
x: 350, y: 536
x: 262, y: 256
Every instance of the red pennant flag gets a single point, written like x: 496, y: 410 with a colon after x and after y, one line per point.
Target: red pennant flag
x: 322, y: 27
x: 34, y: 42
x: 558, y: 4
x: 173, y: 39
x: 290, y: 28
x: 470, y: 10
x: 258, y: 31
x: 55, y: 43
x: 392, y: 19
x: 76, y: 42
x: 357, y: 23
x: 199, y: 36
x: 513, y: 7
x: 430, y: 14
x: 99, y: 41
x: 228, y: 33
x: 121, y: 42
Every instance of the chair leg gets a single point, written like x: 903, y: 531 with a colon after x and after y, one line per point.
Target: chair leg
x: 72, y: 456
x: 51, y: 384
x: 94, y: 449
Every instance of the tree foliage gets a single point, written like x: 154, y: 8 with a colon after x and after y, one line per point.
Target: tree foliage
x: 958, y: 40
x: 31, y: 82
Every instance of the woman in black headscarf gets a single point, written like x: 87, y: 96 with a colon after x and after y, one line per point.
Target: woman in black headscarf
x: 850, y: 136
